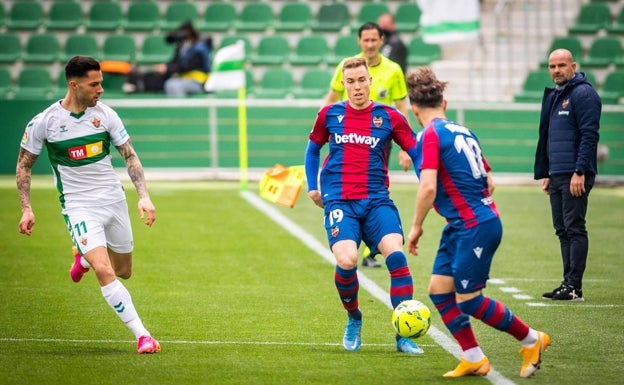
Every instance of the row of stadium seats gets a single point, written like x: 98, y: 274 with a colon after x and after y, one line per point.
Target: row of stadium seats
x: 217, y: 16
x: 611, y: 90
x: 270, y: 50
x: 602, y: 52
x: 595, y: 17
x: 274, y: 83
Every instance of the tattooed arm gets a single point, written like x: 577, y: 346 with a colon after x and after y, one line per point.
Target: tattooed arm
x: 23, y: 172
x: 135, y: 171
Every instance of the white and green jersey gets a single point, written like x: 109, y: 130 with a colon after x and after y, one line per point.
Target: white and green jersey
x: 79, y: 151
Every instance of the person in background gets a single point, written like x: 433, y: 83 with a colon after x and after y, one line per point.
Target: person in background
x: 393, y: 47
x: 354, y: 194
x: 77, y: 132
x: 387, y: 86
x: 565, y: 160
x: 455, y: 179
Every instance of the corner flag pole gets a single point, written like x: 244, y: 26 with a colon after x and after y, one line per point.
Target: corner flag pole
x: 242, y: 139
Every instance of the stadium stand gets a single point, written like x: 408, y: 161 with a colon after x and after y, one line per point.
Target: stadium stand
x: 64, y: 15
x: 6, y: 82
x: 346, y: 45
x: 407, y: 17
x: 84, y: 44
x: 368, y: 12
x: 10, y: 47
x: 25, y: 15
x: 231, y: 39
x: 571, y: 43
x: 294, y: 17
x: 617, y: 26
x: 141, y: 16
x: 254, y: 17
x: 604, y: 51
x: 177, y: 13
x: 310, y: 50
x: 592, y: 18
x: 2, y: 18
x: 331, y: 17
x: 421, y: 53
x: 42, y: 48
x: 272, y: 50
x: 533, y: 88
x: 613, y: 89
x: 313, y: 85
x: 154, y: 50
x: 218, y: 17
x: 119, y: 47
x: 276, y: 83
x: 104, y: 16
x: 33, y: 83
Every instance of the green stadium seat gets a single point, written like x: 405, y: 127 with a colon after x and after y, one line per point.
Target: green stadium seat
x: 533, y: 87
x: 310, y: 50
x: 33, y: 83
x: 617, y: 27
x: 218, y: 17
x: 592, y: 18
x: 25, y: 15
x: 314, y: 84
x: 231, y: 39
x: 42, y: 48
x: 421, y: 53
x: 177, y: 13
x: 6, y: 82
x: 121, y: 47
x: 64, y: 15
x: 346, y: 46
x: 254, y: 17
x: 271, y: 50
x: 369, y: 12
x: 154, y: 50
x: 80, y: 45
x: 331, y: 17
x: 571, y: 43
x: 612, y: 88
x: 104, y: 16
x: 276, y: 83
x: 603, y: 52
x: 407, y: 17
x: 294, y: 17
x: 141, y: 16
x: 10, y: 47
x: 2, y: 18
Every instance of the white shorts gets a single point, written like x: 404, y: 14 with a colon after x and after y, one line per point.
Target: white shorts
x: 108, y: 226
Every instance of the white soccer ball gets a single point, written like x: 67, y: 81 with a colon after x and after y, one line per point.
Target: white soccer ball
x: 411, y: 319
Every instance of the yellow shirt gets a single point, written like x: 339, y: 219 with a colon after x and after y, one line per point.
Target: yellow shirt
x: 387, y: 86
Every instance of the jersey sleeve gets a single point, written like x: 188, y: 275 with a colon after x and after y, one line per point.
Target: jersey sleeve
x: 399, y: 85
x: 402, y: 133
x: 34, y: 135
x: 336, y: 82
x: 430, y: 149
x: 320, y: 134
x: 116, y: 128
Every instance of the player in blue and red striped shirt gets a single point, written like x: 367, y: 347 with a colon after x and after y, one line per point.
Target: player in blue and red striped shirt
x: 455, y: 180
x: 354, y: 191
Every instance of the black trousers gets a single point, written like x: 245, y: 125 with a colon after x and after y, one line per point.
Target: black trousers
x: 568, y: 216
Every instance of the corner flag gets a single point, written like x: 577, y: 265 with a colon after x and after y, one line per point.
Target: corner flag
x: 282, y: 185
x: 445, y: 21
x: 228, y: 71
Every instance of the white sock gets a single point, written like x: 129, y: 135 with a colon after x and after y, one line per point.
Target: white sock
x: 530, y: 338
x: 118, y: 297
x: 474, y: 354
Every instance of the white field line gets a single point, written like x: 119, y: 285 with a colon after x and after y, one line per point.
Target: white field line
x: 366, y: 283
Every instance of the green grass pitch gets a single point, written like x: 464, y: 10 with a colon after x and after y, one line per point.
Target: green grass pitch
x: 234, y: 298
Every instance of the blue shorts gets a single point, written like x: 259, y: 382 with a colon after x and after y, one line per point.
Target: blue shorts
x: 466, y: 254
x: 366, y: 220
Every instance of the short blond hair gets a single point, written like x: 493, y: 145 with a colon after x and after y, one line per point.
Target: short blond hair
x: 354, y: 62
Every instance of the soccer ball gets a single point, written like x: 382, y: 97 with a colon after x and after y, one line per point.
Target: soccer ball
x: 411, y: 319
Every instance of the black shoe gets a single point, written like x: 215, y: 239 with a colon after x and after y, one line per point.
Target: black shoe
x: 370, y: 262
x: 551, y: 294
x: 569, y: 293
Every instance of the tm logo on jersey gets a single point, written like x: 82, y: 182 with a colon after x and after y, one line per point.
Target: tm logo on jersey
x: 86, y: 151
x: 357, y: 139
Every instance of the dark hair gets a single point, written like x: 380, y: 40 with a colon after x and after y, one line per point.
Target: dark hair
x: 79, y: 66
x: 370, y: 25
x: 424, y: 88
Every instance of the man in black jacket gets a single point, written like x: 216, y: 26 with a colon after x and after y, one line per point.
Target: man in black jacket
x: 393, y: 48
x: 566, y: 161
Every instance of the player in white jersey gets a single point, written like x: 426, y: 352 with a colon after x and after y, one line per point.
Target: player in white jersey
x: 77, y: 132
